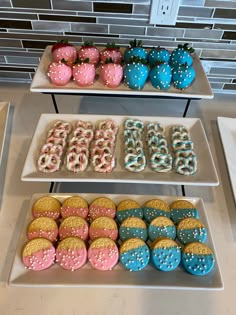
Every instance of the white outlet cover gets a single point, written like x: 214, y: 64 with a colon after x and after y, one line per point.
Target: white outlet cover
x: 164, y: 12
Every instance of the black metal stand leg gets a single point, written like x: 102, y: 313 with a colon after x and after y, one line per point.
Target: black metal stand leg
x: 186, y: 107
x: 183, y: 190
x: 51, y: 187
x: 54, y: 103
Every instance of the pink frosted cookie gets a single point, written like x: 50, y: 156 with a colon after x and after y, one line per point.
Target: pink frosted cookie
x: 38, y: 254
x: 102, y: 207
x: 59, y: 73
x: 43, y: 227
x: 74, y: 206
x: 46, y: 206
x: 71, y: 253
x: 74, y: 226
x: 103, y: 254
x: 103, y: 227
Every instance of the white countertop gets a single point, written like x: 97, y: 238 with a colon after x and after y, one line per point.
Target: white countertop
x: 25, y: 110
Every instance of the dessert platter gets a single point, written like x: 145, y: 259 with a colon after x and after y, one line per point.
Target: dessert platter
x: 121, y: 163
x: 4, y: 110
x: 227, y: 129
x: 199, y: 88
x: 55, y: 269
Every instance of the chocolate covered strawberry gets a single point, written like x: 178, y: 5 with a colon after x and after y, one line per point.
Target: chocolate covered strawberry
x: 84, y: 73
x: 59, y: 73
x: 89, y: 51
x: 111, y: 74
x: 64, y: 50
x: 111, y: 52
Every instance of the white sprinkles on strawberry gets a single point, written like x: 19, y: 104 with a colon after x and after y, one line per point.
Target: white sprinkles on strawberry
x: 59, y: 73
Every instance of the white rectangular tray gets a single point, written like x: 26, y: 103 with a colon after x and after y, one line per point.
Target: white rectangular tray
x: 41, y: 83
x: 206, y: 173
x: 227, y: 129
x: 118, y: 277
x: 4, y: 111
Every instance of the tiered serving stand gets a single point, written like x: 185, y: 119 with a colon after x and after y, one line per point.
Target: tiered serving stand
x: 206, y: 176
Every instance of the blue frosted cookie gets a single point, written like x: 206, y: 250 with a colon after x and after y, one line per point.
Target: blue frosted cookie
x: 165, y: 254
x: 133, y: 227
x: 161, y: 227
x: 181, y: 209
x: 128, y: 208
x: 197, y: 259
x: 134, y: 254
x: 191, y: 230
x: 155, y: 208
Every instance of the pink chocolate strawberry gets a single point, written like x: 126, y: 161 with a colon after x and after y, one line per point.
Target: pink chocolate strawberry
x: 88, y: 50
x: 84, y: 73
x: 59, y: 73
x: 111, y: 74
x: 64, y: 50
x: 111, y: 52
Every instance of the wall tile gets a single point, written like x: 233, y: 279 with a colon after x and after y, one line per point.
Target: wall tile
x: 138, y: 22
x: 220, y: 4
x: 2, y: 59
x: 69, y: 18
x: 196, y: 3
x: 36, y: 44
x: 219, y: 54
x: 18, y: 53
x: 225, y: 27
x: 15, y: 24
x: 5, y: 4
x: 42, y: 4
x: 211, y: 34
x: 219, y: 80
x: 18, y: 16
x: 112, y: 7
x: 209, y: 45
x: 72, y: 5
x: 141, y: 9
x: 90, y: 34
x: 223, y: 71
x: 196, y: 12
x: 230, y: 86
x: 162, y: 31
x: 12, y: 74
x: 17, y: 68
x: 217, y: 86
x: 10, y: 43
x: 85, y: 28
x: 22, y: 60
x: 194, y: 25
x: 234, y: 81
x: 118, y: 29
x: 229, y: 35
x: 50, y: 26
x: 224, y: 13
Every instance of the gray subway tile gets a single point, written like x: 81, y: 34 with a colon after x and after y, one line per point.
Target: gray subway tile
x: 195, y: 12
x: 5, y: 4
x: 219, y: 80
x: 17, y: 53
x: 223, y: 71
x: 118, y: 29
x: 220, y: 4
x: 161, y: 31
x: 217, y: 86
x: 15, y: 24
x: 22, y: 60
x: 196, y: 3
x: 51, y: 26
x: 218, y: 54
x: 42, y: 4
x: 14, y: 74
x: 229, y: 86
x: 138, y: 22
x: 19, y: 16
x: 88, y: 27
x: 225, y: 27
x: 225, y: 13
x: 2, y: 59
x: 209, y: 45
x: 72, y: 5
x: 207, y: 34
x: 141, y: 9
x: 220, y: 64
x: 10, y: 43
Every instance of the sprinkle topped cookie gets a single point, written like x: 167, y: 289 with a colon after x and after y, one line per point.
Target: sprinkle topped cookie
x: 181, y: 209
x: 165, y: 254
x: 101, y: 207
x: 197, y: 259
x: 133, y: 227
x: 46, y: 206
x: 103, y: 227
x: 74, y: 206
x: 155, y: 208
x: 71, y: 253
x: 191, y: 230
x: 128, y: 208
x: 74, y: 226
x: 161, y: 227
x: 43, y: 227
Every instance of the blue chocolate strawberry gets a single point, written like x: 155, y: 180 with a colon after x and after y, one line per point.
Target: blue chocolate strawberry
x: 161, y: 76
x: 136, y: 74
x: 158, y: 54
x: 182, y: 55
x: 183, y: 76
x: 135, y: 50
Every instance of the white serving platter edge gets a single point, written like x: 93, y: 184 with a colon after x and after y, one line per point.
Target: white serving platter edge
x: 118, y: 277
x: 4, y: 111
x: 199, y: 89
x: 206, y: 174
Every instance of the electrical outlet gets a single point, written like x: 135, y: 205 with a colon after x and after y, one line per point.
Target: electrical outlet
x: 164, y: 12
